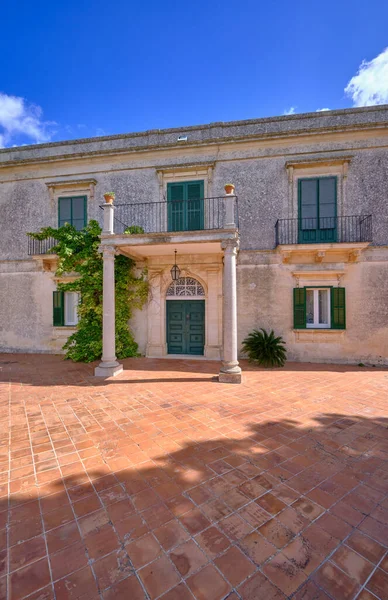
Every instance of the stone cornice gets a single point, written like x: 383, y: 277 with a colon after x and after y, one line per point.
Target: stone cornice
x: 348, y: 120
x: 185, y: 167
x: 326, y: 160
x: 71, y: 182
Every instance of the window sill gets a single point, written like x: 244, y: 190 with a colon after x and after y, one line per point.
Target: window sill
x: 64, y: 327
x: 320, y: 329
x: 321, y: 336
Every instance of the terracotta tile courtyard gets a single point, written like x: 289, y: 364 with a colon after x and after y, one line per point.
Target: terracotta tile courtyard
x: 163, y: 483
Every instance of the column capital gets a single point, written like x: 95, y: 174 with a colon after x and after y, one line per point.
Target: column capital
x: 230, y: 246
x: 107, y: 251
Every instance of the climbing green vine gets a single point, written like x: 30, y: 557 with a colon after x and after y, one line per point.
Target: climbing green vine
x: 78, y: 253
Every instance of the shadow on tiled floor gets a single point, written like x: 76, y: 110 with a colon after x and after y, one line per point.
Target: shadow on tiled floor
x: 164, y: 484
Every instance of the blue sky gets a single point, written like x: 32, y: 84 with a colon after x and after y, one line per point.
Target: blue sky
x: 76, y: 68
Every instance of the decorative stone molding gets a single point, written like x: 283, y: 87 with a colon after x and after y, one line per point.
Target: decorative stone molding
x: 57, y: 188
x: 179, y: 172
x: 319, y: 336
x: 321, y: 253
x: 317, y: 167
x: 108, y: 252
x: 320, y: 161
x: 319, y: 256
x: 354, y: 255
x: 318, y: 277
x: 230, y: 246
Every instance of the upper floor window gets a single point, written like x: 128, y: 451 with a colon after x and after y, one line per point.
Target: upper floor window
x: 185, y: 202
x: 317, y: 201
x: 72, y: 210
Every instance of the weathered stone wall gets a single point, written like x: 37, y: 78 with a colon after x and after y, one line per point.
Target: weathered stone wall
x: 253, y: 155
x: 265, y: 299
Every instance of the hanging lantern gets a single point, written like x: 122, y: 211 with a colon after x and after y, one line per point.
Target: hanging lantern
x: 175, y: 271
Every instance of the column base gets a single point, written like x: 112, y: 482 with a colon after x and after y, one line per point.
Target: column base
x: 230, y: 377
x: 230, y: 373
x: 108, y: 369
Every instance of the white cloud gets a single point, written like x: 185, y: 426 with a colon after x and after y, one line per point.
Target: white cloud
x: 18, y: 118
x: 100, y: 131
x: 290, y: 111
x: 370, y: 85
x: 322, y: 109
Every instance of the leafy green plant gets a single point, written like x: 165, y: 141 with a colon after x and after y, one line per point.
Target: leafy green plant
x: 78, y: 253
x: 134, y: 229
x: 265, y: 349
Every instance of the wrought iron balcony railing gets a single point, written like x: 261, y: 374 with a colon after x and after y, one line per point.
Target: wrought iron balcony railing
x: 324, y: 230
x: 36, y: 247
x: 176, y: 215
x: 159, y: 217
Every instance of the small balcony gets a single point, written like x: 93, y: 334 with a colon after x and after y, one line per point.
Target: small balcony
x: 324, y: 239
x: 197, y: 214
x: 38, y: 247
x: 355, y: 228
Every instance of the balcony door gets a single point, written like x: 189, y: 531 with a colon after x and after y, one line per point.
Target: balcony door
x: 317, y: 210
x: 185, y: 206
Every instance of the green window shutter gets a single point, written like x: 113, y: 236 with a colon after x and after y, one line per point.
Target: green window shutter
x: 64, y: 211
x: 195, y: 193
x: 58, y: 309
x: 338, y: 310
x: 299, y: 308
x: 78, y: 212
x: 176, y: 213
x: 195, y: 190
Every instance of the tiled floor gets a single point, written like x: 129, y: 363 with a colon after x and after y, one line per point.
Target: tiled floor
x: 163, y: 483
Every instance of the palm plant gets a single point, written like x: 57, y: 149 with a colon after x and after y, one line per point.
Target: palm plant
x: 265, y: 349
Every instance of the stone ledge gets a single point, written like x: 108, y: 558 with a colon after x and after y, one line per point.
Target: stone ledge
x: 319, y: 336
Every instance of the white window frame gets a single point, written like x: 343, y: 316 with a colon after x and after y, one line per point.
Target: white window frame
x: 316, y: 324
x: 71, y: 322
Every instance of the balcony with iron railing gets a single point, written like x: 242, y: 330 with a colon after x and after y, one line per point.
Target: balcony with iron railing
x: 37, y: 247
x: 198, y: 214
x: 324, y: 230
x: 193, y: 215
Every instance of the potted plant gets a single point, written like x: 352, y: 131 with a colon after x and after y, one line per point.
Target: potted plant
x: 229, y: 188
x: 109, y: 197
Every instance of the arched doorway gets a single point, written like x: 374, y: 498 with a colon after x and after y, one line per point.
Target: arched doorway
x: 185, y: 317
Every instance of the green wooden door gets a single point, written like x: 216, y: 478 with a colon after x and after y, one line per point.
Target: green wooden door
x: 317, y: 210
x: 185, y: 326
x: 185, y: 206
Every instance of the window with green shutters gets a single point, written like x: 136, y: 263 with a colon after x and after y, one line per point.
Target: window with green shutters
x: 72, y: 210
x: 317, y: 200
x: 319, y: 308
x: 185, y: 202
x: 65, y: 309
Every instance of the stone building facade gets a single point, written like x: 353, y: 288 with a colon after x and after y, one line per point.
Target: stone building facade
x: 309, y: 226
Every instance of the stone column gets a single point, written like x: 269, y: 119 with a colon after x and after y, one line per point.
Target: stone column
x: 230, y: 371
x: 108, y: 366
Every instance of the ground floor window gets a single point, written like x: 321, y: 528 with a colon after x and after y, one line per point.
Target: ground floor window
x: 319, y: 308
x: 65, y: 308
